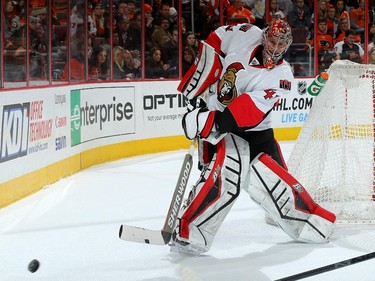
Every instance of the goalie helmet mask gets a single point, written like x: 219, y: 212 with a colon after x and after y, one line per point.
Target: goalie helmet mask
x: 276, y: 39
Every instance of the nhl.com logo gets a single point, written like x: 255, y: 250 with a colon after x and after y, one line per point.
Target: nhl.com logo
x: 302, y: 87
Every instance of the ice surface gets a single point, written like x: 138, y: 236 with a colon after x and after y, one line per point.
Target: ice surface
x: 72, y: 226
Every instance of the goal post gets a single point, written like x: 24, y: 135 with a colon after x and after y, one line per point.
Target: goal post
x: 334, y: 154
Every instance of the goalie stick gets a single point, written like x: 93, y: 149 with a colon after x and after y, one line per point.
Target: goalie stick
x: 329, y: 267
x: 163, y: 236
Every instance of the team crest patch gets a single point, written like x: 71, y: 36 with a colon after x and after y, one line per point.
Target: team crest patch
x: 226, y: 87
x: 302, y: 87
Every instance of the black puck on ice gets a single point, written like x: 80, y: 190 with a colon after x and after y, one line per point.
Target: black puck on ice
x: 33, y: 266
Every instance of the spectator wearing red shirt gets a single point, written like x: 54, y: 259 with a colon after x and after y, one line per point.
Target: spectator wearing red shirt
x: 237, y: 13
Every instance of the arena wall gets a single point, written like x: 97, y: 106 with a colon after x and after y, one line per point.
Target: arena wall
x: 50, y: 133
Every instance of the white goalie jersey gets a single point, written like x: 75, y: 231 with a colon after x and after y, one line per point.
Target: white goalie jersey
x: 243, y: 73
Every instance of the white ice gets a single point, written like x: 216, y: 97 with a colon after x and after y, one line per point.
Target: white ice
x: 72, y: 227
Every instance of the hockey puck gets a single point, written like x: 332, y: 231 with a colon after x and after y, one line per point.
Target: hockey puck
x: 33, y: 266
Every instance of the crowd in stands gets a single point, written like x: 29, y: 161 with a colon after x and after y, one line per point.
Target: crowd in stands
x: 118, y: 41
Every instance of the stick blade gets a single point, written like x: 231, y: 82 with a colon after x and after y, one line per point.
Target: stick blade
x: 143, y: 235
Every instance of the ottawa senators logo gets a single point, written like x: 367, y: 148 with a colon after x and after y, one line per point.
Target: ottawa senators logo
x: 226, y: 87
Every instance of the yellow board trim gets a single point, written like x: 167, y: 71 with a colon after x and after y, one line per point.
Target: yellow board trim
x: 287, y: 134
x: 23, y: 186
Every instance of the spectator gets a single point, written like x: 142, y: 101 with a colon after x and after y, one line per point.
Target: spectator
x: 258, y: 11
x: 332, y: 21
x: 341, y: 10
x: 132, y: 66
x: 236, y: 13
x: 38, y: 49
x: 149, y: 26
x: 170, y: 54
x: 131, y: 9
x: 136, y: 30
x: 163, y: 13
x: 274, y: 12
x: 100, y: 21
x: 285, y: 6
x: 324, y: 40
x: 371, y: 56
x: 191, y: 41
x: 12, y: 25
x: 161, y: 35
x: 118, y: 63
x: 326, y: 54
x: 156, y: 7
x: 344, y: 26
x: 124, y: 36
x: 213, y: 13
x: 121, y: 11
x: 155, y: 68
x: 77, y: 64
x: 99, y: 69
x: 357, y: 19
x: 173, y: 18
x: 188, y: 58
x: 348, y: 49
x: 299, y: 16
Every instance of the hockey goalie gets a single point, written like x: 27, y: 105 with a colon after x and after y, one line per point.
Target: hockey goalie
x: 238, y: 79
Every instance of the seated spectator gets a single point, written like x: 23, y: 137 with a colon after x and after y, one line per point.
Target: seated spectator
x: 13, y: 30
x: 131, y: 8
x: 173, y: 18
x: 213, y: 13
x: 299, y: 16
x: 161, y: 35
x: 357, y: 19
x: 236, y: 13
x: 340, y: 10
x: 155, y: 68
x: 324, y: 40
x: 118, y: 63
x: 161, y: 13
x: 101, y: 22
x: 191, y: 41
x: 77, y: 64
x: 332, y: 21
x: 326, y: 54
x: 132, y: 66
x: 285, y: 6
x: 121, y: 11
x: 149, y: 26
x: 170, y: 54
x: 124, y: 36
x: 136, y: 30
x: 188, y: 58
x: 344, y: 26
x: 348, y: 49
x: 274, y: 12
x: 98, y: 66
x: 371, y: 56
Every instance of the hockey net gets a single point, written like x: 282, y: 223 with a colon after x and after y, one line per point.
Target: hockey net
x: 333, y: 156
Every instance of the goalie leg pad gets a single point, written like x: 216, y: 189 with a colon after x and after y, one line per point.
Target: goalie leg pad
x: 213, y: 196
x: 288, y: 203
x: 201, y: 74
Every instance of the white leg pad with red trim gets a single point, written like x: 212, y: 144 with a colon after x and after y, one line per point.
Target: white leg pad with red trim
x: 287, y: 202
x: 213, y: 196
x: 202, y: 74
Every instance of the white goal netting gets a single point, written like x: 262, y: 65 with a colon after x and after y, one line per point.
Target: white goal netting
x: 334, y: 154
